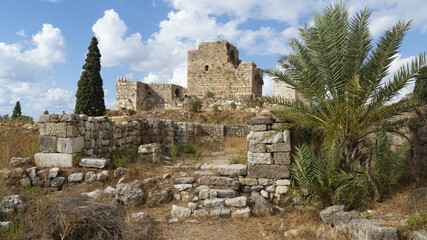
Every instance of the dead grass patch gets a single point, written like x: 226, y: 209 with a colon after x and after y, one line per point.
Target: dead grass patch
x: 16, y: 141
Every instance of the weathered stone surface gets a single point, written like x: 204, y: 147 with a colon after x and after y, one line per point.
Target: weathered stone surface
x: 204, y: 194
x: 5, y: 173
x: 268, y: 171
x: 70, y: 118
x: 149, y: 181
x: 419, y: 236
x: 271, y: 189
x: 236, y: 202
x: 261, y: 204
x: 265, y: 194
x: 178, y: 211
x: 70, y: 145
x: 328, y: 213
x: 257, y: 147
x: 369, y: 230
x: 16, y: 162
x: 278, y: 147
x: 16, y: 173
x: 257, y: 188
x: 54, y: 129
x: 200, y: 213
x: 48, y: 144
x: 64, y: 160
x: 287, y: 136
x: 158, y: 196
x: 90, y: 177
x: 57, y: 182
x: 282, y: 158
x: 185, y: 180
x: 192, y: 206
x: 265, y: 137
x: 182, y: 187
x: 258, y: 128
x: 248, y: 181
x: 25, y: 182
x: 282, y: 189
x: 102, y: 176
x: 283, y: 182
x: 72, y: 131
x: 221, y: 213
x: 260, y: 158
x: 75, y: 177
x: 94, y: 194
x: 120, y: 172
x: 242, y: 213
x: 140, y: 217
x: 223, y: 193
x: 214, y: 203
x: 265, y: 181
x: 93, y: 162
x: 110, y: 191
x: 234, y: 169
x: 260, y: 121
x: 219, y: 181
x: 32, y: 172
x: 204, y: 173
x: 127, y: 194
x: 11, y: 203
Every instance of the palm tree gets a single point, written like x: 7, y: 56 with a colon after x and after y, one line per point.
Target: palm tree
x: 335, y: 67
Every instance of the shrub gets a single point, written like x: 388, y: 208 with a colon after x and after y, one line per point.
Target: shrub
x: 195, y: 105
x: 418, y: 220
x: 209, y: 94
x: 233, y: 105
x: 121, y: 158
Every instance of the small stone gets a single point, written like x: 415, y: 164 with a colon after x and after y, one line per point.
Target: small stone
x: 185, y: 180
x: 192, y: 206
x: 11, y: 203
x: 262, y: 204
x: 242, y: 213
x: 19, y: 162
x: 257, y: 188
x: 110, y: 191
x: 57, y: 182
x: 25, y: 182
x: 183, y: 187
x: 173, y: 220
x: 283, y: 182
x: 32, y: 172
x: 248, y: 181
x: 271, y: 189
x: 265, y: 194
x: 120, y: 172
x: 183, y: 174
x: 204, y: 194
x: 16, y: 173
x: 166, y: 176
x: 191, y: 221
x: 94, y: 194
x: 282, y: 189
x: 53, y: 172
x: 203, y: 187
x: 177, y: 197
x: 265, y: 181
x: 148, y: 180
x: 102, y: 176
x: 93, y: 162
x: 178, y: 211
x: 157, y: 196
x: 75, y: 177
x: 419, y: 236
x: 140, y: 217
x: 90, y: 177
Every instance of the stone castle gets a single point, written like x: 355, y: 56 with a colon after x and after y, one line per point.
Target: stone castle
x: 214, y: 66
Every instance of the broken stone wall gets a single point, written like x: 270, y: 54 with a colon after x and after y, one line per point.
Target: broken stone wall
x: 216, y: 67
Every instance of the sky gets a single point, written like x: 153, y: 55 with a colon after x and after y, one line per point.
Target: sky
x: 43, y: 43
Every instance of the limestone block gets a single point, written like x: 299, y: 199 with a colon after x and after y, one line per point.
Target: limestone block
x: 70, y: 118
x: 236, y: 202
x: 234, y: 169
x: 223, y: 193
x: 268, y: 171
x: 282, y: 189
x: 90, y: 177
x: 204, y: 194
x: 265, y: 181
x: 54, y: 159
x: 258, y: 128
x: 279, y: 147
x: 283, y: 182
x: 257, y: 148
x: 182, y: 187
x: 57, y: 182
x: 248, y: 181
x: 260, y: 121
x: 219, y: 181
x: 16, y: 162
x: 259, y: 158
x: 282, y: 158
x: 221, y: 213
x: 178, y: 211
x: 185, y: 180
x: 242, y: 213
x: 265, y: 137
x: 287, y: 136
x: 93, y: 162
x: 53, y: 172
x: 54, y: 129
x: 48, y: 144
x: 214, y: 203
x: 200, y: 213
x: 70, y: 145
x: 75, y: 177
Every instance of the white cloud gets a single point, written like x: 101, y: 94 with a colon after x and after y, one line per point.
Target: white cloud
x: 24, y: 74
x: 21, y: 33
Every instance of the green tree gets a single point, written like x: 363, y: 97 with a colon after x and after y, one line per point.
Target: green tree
x: 420, y: 89
x: 90, y: 94
x: 336, y: 68
x: 16, y: 111
x: 46, y: 112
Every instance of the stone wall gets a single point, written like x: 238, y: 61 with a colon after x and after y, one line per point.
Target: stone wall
x: 215, y: 67
x: 63, y: 136
x: 135, y: 95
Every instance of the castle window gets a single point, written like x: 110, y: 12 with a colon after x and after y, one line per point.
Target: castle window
x: 206, y: 67
x: 177, y: 93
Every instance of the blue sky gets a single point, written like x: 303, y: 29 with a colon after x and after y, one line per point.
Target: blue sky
x: 43, y: 43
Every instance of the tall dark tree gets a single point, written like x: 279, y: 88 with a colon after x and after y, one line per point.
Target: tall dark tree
x: 420, y: 89
x: 90, y: 94
x: 17, y: 110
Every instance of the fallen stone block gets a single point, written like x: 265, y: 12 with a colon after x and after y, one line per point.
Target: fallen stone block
x: 62, y: 160
x: 178, y: 211
x: 120, y: 172
x: 75, y: 177
x: 183, y: 187
x: 93, y: 162
x: 126, y: 193
x: 90, y: 177
x: 185, y: 180
x: 11, y: 203
x: 261, y: 204
x: 57, y: 182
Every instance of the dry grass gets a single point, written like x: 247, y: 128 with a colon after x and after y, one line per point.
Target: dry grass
x: 16, y: 141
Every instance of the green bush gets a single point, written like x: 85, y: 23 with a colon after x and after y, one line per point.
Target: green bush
x: 418, y: 220
x: 121, y: 158
x: 181, y: 149
x: 233, y: 105
x: 195, y: 105
x: 209, y: 94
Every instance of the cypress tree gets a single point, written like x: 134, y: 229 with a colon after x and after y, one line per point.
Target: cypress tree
x: 90, y: 94
x: 16, y: 111
x: 420, y: 89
